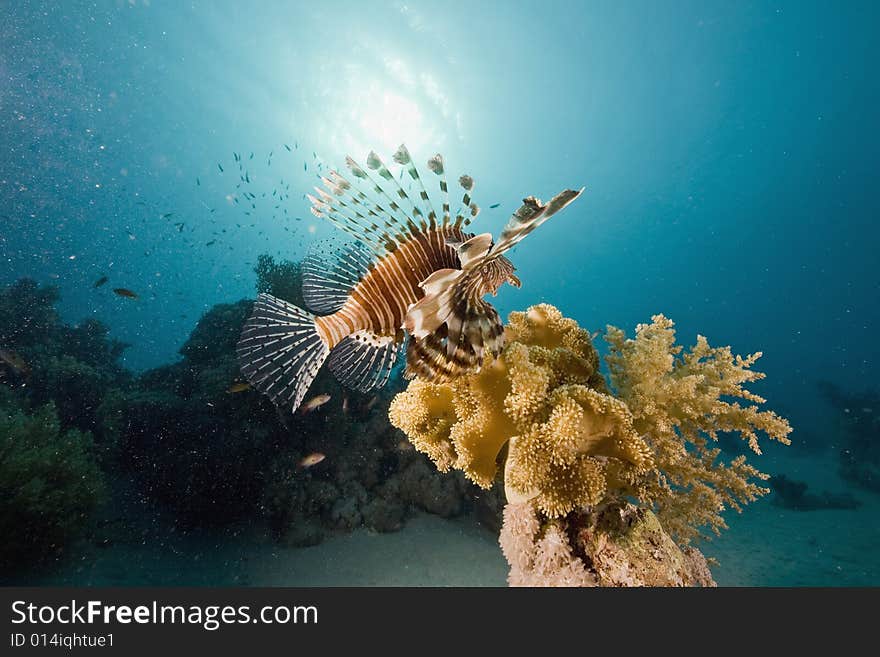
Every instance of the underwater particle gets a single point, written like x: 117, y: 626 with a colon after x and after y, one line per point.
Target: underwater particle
x: 179, y: 225
x: 308, y: 461
x: 101, y: 281
x: 313, y: 403
x: 238, y: 387
x: 125, y: 292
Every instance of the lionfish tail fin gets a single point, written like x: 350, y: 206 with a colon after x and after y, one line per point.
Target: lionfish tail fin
x: 280, y: 350
x: 451, y: 328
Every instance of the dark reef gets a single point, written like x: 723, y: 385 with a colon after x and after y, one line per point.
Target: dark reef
x: 184, y: 440
x: 858, y: 415
x: 792, y: 494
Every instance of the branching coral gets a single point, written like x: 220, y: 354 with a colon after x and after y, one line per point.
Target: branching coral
x: 543, y: 396
x: 571, y: 445
x: 679, y: 403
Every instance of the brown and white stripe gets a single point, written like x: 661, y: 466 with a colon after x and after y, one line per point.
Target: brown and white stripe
x: 423, y: 275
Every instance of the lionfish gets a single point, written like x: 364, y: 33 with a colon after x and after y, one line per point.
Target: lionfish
x: 411, y: 271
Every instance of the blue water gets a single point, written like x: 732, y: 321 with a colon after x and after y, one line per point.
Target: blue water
x: 728, y: 152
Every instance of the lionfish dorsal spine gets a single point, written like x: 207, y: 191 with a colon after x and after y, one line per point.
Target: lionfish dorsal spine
x: 336, y: 212
x: 375, y: 163
x: 403, y: 158
x: 435, y: 164
x: 469, y: 209
x: 359, y: 205
x: 396, y: 221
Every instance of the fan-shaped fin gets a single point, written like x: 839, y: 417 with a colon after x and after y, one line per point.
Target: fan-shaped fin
x: 280, y: 351
x: 363, y: 360
x: 531, y: 214
x: 473, y: 249
x: 330, y: 271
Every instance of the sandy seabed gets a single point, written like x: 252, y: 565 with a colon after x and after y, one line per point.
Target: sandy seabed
x: 765, y: 546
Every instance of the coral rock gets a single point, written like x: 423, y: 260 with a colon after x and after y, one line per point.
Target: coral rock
x: 618, y: 545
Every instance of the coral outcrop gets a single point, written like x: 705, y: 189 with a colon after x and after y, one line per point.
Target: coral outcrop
x: 545, y: 402
x: 569, y: 444
x: 50, y: 483
x: 615, y: 545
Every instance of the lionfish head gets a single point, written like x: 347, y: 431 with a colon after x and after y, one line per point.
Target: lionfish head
x: 494, y: 273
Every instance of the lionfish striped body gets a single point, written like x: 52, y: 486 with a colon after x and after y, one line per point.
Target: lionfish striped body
x: 411, y: 271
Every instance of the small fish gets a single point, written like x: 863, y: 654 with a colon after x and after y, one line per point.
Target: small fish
x: 344, y: 399
x: 15, y: 362
x: 251, y: 157
x: 308, y: 461
x: 494, y: 205
x: 124, y: 292
x: 287, y: 147
x: 238, y: 387
x: 210, y: 243
x: 198, y: 182
x: 305, y: 167
x: 179, y: 225
x: 371, y: 403
x: 313, y: 403
x: 410, y: 274
x: 167, y: 215
x: 219, y: 166
x: 101, y: 281
x: 247, y: 177
x: 404, y: 446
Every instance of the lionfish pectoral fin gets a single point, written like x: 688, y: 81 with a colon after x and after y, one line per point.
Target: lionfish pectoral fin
x: 280, y: 350
x: 428, y: 313
x: 364, y: 360
x: 471, y: 251
x: 452, y: 328
x: 531, y: 214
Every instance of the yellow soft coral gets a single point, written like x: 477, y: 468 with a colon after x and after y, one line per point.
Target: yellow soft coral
x: 678, y: 402
x: 545, y: 397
